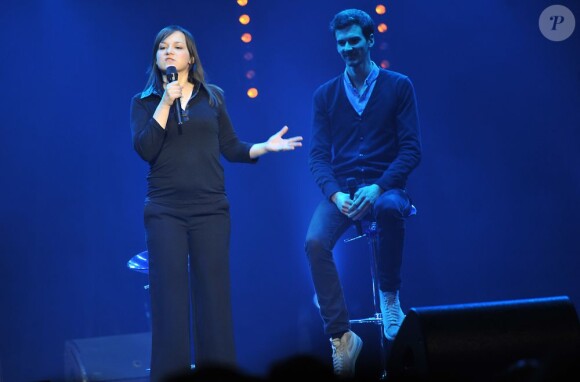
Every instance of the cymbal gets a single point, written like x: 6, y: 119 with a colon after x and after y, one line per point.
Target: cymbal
x: 139, y: 262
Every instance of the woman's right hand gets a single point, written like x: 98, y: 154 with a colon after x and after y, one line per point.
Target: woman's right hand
x: 172, y: 92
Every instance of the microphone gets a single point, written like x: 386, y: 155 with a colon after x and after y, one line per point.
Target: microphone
x: 171, y: 73
x: 352, y: 186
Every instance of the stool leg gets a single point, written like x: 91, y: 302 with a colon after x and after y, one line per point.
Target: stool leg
x: 373, y: 244
x: 377, y: 318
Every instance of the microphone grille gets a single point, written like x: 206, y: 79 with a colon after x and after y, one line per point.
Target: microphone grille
x: 171, y: 73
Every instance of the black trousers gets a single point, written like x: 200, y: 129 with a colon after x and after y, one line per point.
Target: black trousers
x: 189, y: 284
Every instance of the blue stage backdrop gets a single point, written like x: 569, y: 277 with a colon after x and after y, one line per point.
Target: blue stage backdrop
x: 497, y: 191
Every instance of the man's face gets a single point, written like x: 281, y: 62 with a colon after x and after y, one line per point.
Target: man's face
x: 352, y: 45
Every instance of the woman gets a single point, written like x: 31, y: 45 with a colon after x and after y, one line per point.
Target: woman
x: 186, y: 212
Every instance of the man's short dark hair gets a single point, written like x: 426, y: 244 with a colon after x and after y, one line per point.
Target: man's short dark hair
x: 348, y: 17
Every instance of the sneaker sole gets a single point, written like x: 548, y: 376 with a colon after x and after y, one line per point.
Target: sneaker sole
x: 385, y: 333
x: 355, y: 355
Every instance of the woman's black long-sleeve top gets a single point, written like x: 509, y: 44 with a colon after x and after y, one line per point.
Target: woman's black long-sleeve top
x: 186, y: 168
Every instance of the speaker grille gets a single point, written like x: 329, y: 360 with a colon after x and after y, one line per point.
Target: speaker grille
x: 112, y: 358
x: 462, y: 341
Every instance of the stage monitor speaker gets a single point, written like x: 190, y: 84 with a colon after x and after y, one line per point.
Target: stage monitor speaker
x: 487, y: 341
x: 112, y: 358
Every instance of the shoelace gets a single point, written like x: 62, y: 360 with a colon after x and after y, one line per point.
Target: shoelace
x: 337, y: 362
x: 394, y: 314
x: 393, y: 308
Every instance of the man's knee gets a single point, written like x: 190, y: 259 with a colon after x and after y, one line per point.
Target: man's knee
x: 387, y: 208
x: 390, y: 205
x: 312, y: 246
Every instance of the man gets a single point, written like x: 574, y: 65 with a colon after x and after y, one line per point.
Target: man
x: 365, y: 126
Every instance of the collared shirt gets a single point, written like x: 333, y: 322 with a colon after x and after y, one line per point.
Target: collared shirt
x: 159, y: 92
x: 358, y: 99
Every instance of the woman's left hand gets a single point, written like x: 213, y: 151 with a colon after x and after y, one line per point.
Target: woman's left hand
x: 277, y: 143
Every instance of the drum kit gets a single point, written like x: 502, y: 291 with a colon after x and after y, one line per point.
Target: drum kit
x: 140, y: 263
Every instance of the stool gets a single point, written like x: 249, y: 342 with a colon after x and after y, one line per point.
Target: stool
x: 370, y: 232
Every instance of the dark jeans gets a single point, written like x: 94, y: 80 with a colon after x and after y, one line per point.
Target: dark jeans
x: 188, y: 248
x: 327, y: 225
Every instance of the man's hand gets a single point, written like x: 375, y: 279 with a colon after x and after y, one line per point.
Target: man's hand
x: 342, y: 202
x: 364, y: 198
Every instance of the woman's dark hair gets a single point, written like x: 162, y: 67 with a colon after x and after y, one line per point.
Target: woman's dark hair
x: 348, y: 17
x: 196, y: 73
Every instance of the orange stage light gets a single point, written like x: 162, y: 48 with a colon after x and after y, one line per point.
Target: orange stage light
x: 382, y: 27
x: 381, y: 9
x: 244, y: 19
x: 252, y: 92
x: 246, y: 37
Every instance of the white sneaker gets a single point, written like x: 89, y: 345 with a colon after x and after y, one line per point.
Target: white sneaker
x: 392, y: 314
x: 344, y: 353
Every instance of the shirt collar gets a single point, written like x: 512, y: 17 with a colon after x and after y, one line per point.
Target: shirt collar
x: 152, y: 90
x: 149, y: 91
x: 371, y: 77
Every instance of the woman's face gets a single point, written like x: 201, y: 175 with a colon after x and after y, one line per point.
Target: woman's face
x: 173, y: 52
